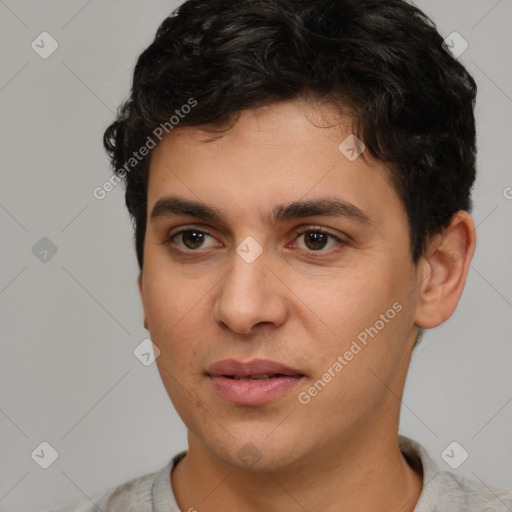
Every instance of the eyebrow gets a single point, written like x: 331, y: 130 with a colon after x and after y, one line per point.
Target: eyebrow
x: 170, y: 206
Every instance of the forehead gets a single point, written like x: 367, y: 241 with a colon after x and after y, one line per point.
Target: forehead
x: 293, y: 124
x: 271, y: 155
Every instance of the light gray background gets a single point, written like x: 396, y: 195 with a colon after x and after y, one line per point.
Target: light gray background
x: 70, y: 325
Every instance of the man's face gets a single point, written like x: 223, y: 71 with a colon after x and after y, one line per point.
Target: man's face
x: 265, y: 282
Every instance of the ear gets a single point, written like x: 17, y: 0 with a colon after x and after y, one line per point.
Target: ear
x: 139, y: 284
x: 444, y: 269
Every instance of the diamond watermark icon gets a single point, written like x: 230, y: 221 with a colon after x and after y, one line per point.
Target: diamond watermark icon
x: 455, y: 45
x: 146, y: 352
x: 44, y: 455
x: 351, y: 147
x: 249, y: 455
x: 249, y: 249
x: 454, y: 455
x: 44, y: 250
x: 44, y: 45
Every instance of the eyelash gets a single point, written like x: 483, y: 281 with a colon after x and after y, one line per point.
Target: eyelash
x: 309, y: 229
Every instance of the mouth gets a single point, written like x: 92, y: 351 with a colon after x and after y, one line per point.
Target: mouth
x: 257, y: 377
x: 255, y: 369
x: 255, y: 382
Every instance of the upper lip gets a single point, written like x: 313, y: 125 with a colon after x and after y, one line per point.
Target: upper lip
x: 234, y: 368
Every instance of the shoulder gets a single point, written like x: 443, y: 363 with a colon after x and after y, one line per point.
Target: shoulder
x: 459, y: 493
x: 135, y: 495
x: 145, y: 493
x: 471, y: 495
x: 444, y: 491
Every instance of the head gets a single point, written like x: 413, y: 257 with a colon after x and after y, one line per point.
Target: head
x: 259, y: 231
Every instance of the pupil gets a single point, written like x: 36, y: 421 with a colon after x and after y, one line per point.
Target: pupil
x: 194, y: 237
x: 315, y: 240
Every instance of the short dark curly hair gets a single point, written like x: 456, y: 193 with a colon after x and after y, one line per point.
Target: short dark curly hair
x: 412, y: 101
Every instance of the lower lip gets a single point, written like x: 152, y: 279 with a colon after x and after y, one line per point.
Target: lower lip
x: 253, y: 392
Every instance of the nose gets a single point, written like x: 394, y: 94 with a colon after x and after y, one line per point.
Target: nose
x: 250, y: 294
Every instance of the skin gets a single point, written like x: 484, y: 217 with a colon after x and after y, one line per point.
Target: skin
x: 340, y: 451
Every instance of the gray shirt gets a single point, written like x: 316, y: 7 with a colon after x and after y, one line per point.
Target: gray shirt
x: 442, y: 491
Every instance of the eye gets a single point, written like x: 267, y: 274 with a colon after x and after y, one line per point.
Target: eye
x: 190, y: 239
x: 316, y: 240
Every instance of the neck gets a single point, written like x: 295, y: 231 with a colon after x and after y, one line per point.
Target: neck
x: 363, y: 473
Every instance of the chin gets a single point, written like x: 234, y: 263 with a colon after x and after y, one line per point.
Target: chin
x: 255, y: 451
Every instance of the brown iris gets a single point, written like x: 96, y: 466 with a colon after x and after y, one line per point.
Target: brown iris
x: 315, y: 240
x: 192, y: 239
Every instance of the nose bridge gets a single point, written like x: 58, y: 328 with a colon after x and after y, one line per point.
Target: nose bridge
x: 248, y: 293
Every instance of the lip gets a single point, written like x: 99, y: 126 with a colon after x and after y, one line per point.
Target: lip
x: 256, y: 392
x: 255, y: 367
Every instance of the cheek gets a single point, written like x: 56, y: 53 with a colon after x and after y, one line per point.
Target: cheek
x: 367, y: 326
x: 174, y: 314
x: 176, y: 323
x: 168, y: 298
x: 346, y: 303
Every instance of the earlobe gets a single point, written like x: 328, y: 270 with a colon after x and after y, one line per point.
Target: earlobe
x: 444, y: 270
